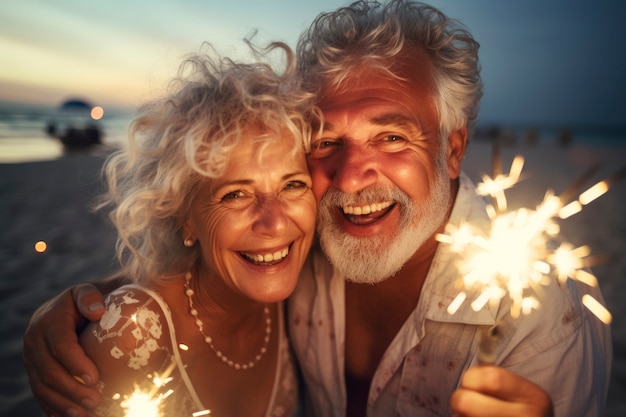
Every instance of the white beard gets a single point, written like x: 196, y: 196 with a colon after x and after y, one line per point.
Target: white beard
x: 370, y: 260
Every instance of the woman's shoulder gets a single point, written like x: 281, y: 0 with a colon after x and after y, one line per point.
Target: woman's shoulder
x: 132, y: 339
x: 135, y: 312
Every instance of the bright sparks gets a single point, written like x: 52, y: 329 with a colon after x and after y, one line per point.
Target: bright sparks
x: 598, y: 309
x: 520, y: 254
x: 495, y: 186
x: 147, y: 402
x: 141, y: 404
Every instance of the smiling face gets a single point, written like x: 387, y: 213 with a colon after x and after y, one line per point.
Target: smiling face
x: 381, y: 172
x: 255, y: 224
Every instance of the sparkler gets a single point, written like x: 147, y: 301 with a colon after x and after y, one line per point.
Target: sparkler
x: 521, y: 253
x: 147, y: 402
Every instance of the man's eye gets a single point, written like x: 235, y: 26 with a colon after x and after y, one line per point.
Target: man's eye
x: 392, y: 143
x: 323, y: 148
x: 323, y: 144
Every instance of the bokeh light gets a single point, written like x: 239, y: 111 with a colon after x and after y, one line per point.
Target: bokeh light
x: 41, y: 246
x: 97, y: 112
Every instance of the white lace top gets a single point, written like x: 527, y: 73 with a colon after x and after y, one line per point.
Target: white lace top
x: 155, y: 353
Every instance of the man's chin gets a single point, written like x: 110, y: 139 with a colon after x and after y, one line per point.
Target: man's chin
x: 363, y: 262
x: 371, y: 280
x: 368, y: 273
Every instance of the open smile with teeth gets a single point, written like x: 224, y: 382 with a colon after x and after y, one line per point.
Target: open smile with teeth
x: 366, y: 208
x: 366, y: 214
x: 267, y: 258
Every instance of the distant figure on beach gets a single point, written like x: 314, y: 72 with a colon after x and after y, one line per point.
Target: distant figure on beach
x: 532, y: 137
x: 564, y: 138
x: 74, y: 127
x: 398, y: 85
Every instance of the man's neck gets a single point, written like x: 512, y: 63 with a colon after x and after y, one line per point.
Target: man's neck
x: 374, y: 315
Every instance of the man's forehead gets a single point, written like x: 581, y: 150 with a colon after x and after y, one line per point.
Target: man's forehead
x: 411, y: 68
x: 379, y: 119
x: 381, y: 103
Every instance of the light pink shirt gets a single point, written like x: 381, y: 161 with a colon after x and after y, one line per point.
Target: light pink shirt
x: 561, y: 347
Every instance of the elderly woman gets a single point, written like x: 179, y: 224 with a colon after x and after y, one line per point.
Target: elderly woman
x: 213, y: 204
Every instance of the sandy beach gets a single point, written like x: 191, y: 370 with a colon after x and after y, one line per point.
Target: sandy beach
x: 47, y: 201
x: 44, y: 201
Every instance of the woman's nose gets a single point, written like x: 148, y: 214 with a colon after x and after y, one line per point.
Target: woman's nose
x: 271, y: 218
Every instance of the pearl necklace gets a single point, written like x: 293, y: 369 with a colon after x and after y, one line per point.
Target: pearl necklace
x: 209, y: 341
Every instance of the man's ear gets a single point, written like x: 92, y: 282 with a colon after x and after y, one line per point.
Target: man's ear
x: 457, y: 141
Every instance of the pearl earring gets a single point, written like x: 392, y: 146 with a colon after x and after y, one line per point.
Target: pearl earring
x: 188, y: 242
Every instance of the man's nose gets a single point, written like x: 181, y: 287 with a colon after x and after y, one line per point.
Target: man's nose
x: 356, y: 169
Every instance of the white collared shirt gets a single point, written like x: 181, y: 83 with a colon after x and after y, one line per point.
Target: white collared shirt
x: 561, y: 347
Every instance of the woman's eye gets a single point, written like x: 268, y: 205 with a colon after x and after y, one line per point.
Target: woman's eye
x: 295, y: 189
x: 233, y: 195
x: 295, y: 185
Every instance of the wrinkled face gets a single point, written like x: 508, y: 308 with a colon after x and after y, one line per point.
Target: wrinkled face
x: 381, y: 172
x: 255, y: 224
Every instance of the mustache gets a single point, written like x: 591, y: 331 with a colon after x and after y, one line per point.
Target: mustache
x: 334, y: 197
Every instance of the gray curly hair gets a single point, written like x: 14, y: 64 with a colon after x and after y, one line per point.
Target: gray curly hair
x: 177, y: 141
x: 369, y: 34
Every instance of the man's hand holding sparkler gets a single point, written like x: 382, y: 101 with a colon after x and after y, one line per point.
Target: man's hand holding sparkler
x: 517, y: 259
x: 491, y: 391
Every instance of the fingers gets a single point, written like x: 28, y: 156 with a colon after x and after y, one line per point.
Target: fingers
x: 505, y: 385
x: 492, y: 391
x: 52, y: 355
x: 62, y: 342
x: 89, y: 301
x: 55, y: 403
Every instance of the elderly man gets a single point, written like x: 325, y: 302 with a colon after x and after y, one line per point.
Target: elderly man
x: 399, y: 88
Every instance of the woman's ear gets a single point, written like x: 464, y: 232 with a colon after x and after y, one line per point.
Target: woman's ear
x: 457, y: 141
x: 187, y: 232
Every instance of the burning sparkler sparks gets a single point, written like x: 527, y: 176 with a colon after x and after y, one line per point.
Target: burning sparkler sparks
x: 147, y: 402
x: 521, y: 254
